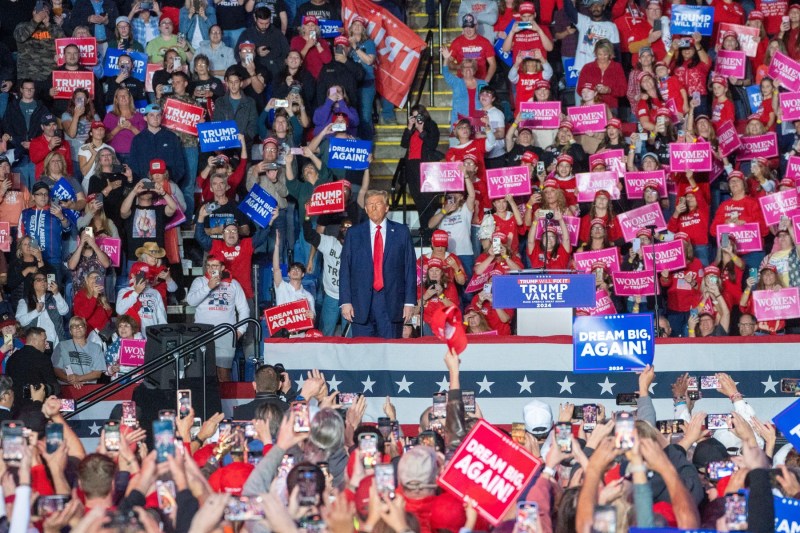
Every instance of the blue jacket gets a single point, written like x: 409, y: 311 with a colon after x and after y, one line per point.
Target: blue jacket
x: 162, y: 145
x: 187, y: 25
x: 43, y: 226
x: 461, y: 94
x: 399, y: 270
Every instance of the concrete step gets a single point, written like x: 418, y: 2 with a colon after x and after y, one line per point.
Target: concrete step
x: 392, y: 150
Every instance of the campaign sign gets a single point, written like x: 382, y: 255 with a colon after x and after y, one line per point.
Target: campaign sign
x: 218, y: 135
x: 65, y: 83
x: 728, y: 137
x: 669, y: 256
x: 612, y: 343
x: 633, y: 220
x: 588, y: 118
x: 573, y: 228
x: 747, y: 236
x: 349, y: 154
x: 5, y: 237
x: 150, y: 69
x: 180, y: 116
x: 536, y: 291
x: 515, y: 181
x: 112, y: 247
x: 793, y: 167
x: 540, y: 115
x: 788, y: 423
x: 131, y: 352
x: 588, y: 183
x: 441, y: 177
x: 686, y: 20
x: 505, y: 57
x: 776, y: 304
x: 635, y: 182
x: 86, y: 45
x: 790, y: 106
x: 774, y: 205
x: 614, y: 161
x: 330, y: 28
x: 259, y: 205
x: 604, y: 305
x: 754, y: 97
x: 635, y: 283
x: 294, y: 316
x: 787, y: 514
x: 475, y: 284
x: 690, y: 156
x: 326, y: 199
x: 62, y: 191
x: 674, y: 114
x: 139, y: 71
x: 747, y: 36
x: 785, y: 69
x: 489, y: 470
x: 730, y: 63
x: 758, y: 146
x: 571, y: 71
x: 609, y: 256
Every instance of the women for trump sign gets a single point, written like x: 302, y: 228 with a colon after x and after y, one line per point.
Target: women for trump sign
x: 588, y: 118
x: 441, y: 177
x: 669, y: 256
x: 515, y: 181
x: 781, y: 304
x: 690, y: 156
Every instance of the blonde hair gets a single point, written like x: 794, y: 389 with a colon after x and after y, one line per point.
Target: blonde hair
x: 116, y: 108
x: 49, y: 159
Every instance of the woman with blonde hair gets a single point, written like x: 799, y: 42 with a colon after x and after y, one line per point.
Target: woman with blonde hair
x: 123, y: 123
x: 88, y: 159
x: 55, y: 168
x: 77, y: 121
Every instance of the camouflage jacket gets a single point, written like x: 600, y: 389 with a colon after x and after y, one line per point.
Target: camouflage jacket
x: 36, y: 47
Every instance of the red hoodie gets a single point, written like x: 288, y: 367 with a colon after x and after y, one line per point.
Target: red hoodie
x: 680, y: 294
x: 693, y: 223
x: 748, y: 210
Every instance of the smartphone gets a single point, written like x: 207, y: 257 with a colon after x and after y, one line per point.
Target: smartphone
x: 184, y: 402
x: 524, y: 26
x: 296, y: 151
x: 487, y: 288
x: 624, y: 431
x: 224, y: 430
x: 166, y: 494
x: 693, y: 312
x: 47, y: 505
x: 657, y: 25
x: 164, y: 439
x: 497, y: 246
x: 51, y: 278
x: 564, y: 436
x: 385, y: 427
x: 332, y: 92
x: 577, y: 412
x: 301, y: 422
x: 540, y: 167
x: 346, y: 399
x: 384, y: 479
x: 167, y: 414
x: 89, y: 231
x: 80, y: 101
x: 669, y: 427
x: 439, y: 405
x: 627, y: 398
x: 307, y: 486
x: 129, y: 414
x: 287, y: 463
x: 339, y: 49
x: 339, y: 127
x: 754, y: 273
x: 468, y: 397
x: 368, y: 445
x: 725, y: 240
x: 718, y: 421
x: 197, y: 423
x: 111, y: 435
x: 176, y: 63
x: 736, y: 512
x: 589, y: 417
x: 527, y: 517
x: 67, y: 405
x: 8, y: 338
x: 518, y: 432
x: 243, y: 508
x: 281, y: 103
x: 709, y: 382
x: 720, y: 469
x: 790, y: 385
x: 54, y: 436
x: 637, y: 244
x: 604, y: 519
x: 692, y: 389
x: 427, y: 438
x: 312, y: 35
x: 13, y: 440
x: 660, y: 121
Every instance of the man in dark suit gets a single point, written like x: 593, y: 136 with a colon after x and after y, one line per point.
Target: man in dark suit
x: 6, y: 398
x: 269, y: 386
x: 30, y: 366
x: 378, y: 291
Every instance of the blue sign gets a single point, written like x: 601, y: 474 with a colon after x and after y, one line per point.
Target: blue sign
x: 686, y: 20
x: 787, y: 514
x: 612, y: 343
x: 139, y: 59
x: 63, y: 191
x: 754, y: 97
x: 788, y: 422
x: 330, y: 28
x: 571, y: 72
x: 218, y: 135
x: 539, y: 291
x: 349, y: 154
x: 505, y: 57
x: 259, y: 205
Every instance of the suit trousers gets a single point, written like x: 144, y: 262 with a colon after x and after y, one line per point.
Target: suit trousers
x: 378, y: 322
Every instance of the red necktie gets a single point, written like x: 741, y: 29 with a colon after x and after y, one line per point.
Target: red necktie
x: 377, y: 261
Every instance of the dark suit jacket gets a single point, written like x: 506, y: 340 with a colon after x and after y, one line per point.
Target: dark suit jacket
x: 5, y: 414
x: 247, y: 411
x: 399, y: 270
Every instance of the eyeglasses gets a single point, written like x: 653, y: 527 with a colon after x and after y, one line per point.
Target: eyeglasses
x: 77, y: 326
x: 747, y: 324
x: 231, y: 230
x: 41, y: 194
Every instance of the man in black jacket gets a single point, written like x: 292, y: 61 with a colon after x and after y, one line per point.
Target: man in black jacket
x: 6, y: 397
x: 271, y: 45
x: 270, y: 387
x: 30, y: 366
x: 342, y: 71
x: 22, y: 122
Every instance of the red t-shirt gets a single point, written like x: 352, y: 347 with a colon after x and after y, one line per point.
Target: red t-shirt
x: 502, y: 328
x: 415, y: 146
x: 773, y: 11
x: 237, y: 261
x: 559, y: 262
x: 693, y: 223
x: 509, y: 226
x: 315, y: 59
x: 529, y: 40
x: 680, y: 294
x: 694, y: 79
x: 612, y: 228
x: 731, y: 13
x: 722, y: 112
x: 478, y: 48
x: 525, y: 87
x: 671, y: 90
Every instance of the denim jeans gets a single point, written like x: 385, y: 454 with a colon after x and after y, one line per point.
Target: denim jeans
x: 27, y: 171
x: 387, y: 109
x: 679, y: 322
x: 190, y: 154
x: 331, y: 316
x: 366, y: 129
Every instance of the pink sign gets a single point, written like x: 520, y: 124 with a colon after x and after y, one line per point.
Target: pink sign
x: 87, y: 46
x: 639, y: 283
x: 588, y: 118
x: 111, y: 246
x: 131, y: 352
x: 796, y: 226
x: 730, y: 63
x: 441, y: 177
x: 669, y: 256
x: 728, y: 138
x: 65, y: 83
x: 588, y: 183
x: 690, y: 156
x: 604, y: 306
x: 540, y: 115
x: 747, y: 36
x: 716, y: 169
x: 573, y: 228
x: 633, y: 220
x: 747, y: 236
x: 478, y: 281
x: 776, y: 305
x: 609, y: 256
x: 614, y: 161
x: 777, y: 204
x: 180, y: 116
x: 148, y: 76
x: 758, y: 146
x: 793, y: 167
x: 790, y: 106
x: 515, y: 181
x: 785, y: 69
x: 673, y: 110
x: 635, y: 182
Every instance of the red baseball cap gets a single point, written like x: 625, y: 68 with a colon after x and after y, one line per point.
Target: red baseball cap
x: 440, y: 238
x: 310, y: 19
x: 341, y: 40
x: 157, y: 166
x: 598, y: 220
x: 643, y: 232
x: 435, y: 262
x: 614, y: 123
x: 711, y: 269
x: 682, y: 236
x: 550, y: 183
x: 97, y: 124
x: 530, y: 157
x: 566, y: 124
x: 756, y: 15
x: 541, y: 84
x: 565, y: 158
x: 527, y: 7
x: 736, y: 174
x: 719, y: 79
x: 663, y: 112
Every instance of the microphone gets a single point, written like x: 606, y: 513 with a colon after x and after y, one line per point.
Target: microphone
x: 651, y: 227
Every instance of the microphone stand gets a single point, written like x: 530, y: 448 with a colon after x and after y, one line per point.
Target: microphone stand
x: 652, y: 228
x: 547, y: 219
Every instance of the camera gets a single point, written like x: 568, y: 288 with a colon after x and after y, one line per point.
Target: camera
x: 420, y: 119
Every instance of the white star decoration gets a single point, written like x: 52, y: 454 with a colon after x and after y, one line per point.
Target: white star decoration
x: 444, y: 384
x: 606, y: 387
x: 94, y: 429
x: 333, y: 384
x: 404, y: 385
x: 368, y: 385
x: 565, y: 385
x: 650, y: 389
x: 770, y: 385
x: 485, y: 385
x: 525, y: 384
x: 300, y: 382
